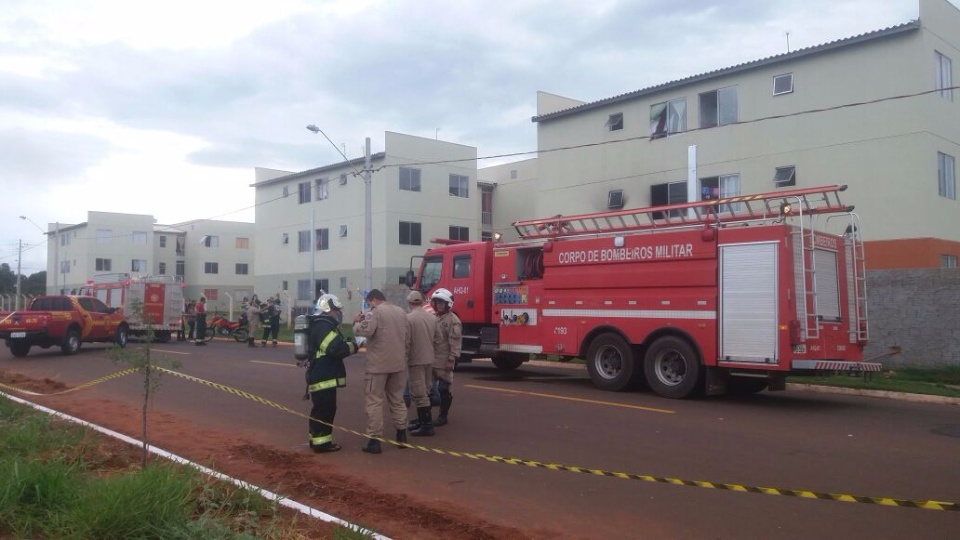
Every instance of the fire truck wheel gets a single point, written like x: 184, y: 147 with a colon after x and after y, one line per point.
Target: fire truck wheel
x: 611, y: 364
x: 672, y: 368
x: 121, y: 336
x: 71, y: 343
x: 508, y: 361
x: 19, y: 348
x: 162, y: 337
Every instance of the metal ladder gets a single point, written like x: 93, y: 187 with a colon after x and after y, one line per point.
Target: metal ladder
x: 761, y: 206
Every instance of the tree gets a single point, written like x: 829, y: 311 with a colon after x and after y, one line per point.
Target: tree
x: 8, y: 280
x: 35, y: 284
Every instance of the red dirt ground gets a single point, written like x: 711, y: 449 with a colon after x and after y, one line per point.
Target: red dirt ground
x: 306, y: 480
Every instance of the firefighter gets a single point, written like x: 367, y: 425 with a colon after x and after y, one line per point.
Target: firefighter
x: 325, y: 371
x: 200, y: 313
x: 423, y: 333
x: 388, y: 341
x: 446, y: 349
x: 253, y: 322
x: 271, y: 326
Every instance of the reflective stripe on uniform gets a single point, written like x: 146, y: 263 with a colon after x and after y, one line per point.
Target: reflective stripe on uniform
x: 323, y: 385
x: 317, y: 440
x: 322, y: 349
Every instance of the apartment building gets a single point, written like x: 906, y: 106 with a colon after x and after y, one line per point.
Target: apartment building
x: 214, y: 258
x: 875, y: 111
x: 421, y: 189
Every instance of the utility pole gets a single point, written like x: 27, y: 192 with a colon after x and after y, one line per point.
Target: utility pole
x: 313, y: 253
x: 367, y: 225
x: 19, y: 258
x: 56, y: 260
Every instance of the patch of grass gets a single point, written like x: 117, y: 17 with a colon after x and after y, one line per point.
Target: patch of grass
x: 942, y: 381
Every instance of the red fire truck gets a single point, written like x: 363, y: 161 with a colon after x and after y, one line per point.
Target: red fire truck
x: 161, y: 296
x: 713, y: 296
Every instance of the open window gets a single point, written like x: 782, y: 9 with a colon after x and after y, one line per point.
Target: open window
x: 615, y: 122
x: 615, y: 199
x: 785, y: 176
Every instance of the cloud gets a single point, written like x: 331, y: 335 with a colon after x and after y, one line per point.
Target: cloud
x: 39, y: 159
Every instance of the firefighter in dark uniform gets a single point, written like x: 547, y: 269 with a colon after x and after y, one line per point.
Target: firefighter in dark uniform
x: 325, y: 371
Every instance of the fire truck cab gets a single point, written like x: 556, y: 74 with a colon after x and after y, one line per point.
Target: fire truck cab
x: 711, y: 296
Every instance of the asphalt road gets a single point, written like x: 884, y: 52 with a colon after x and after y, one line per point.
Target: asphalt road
x: 791, y: 440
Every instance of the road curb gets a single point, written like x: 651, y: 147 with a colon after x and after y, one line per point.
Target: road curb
x: 885, y: 394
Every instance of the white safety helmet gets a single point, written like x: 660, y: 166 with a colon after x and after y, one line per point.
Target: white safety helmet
x: 327, y: 302
x: 443, y: 294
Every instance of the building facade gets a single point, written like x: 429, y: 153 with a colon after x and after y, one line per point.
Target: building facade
x: 421, y: 189
x: 876, y: 112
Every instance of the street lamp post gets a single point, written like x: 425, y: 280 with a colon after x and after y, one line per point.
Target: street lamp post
x: 367, y: 210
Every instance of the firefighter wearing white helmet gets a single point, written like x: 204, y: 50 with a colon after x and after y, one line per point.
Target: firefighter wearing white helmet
x: 325, y: 370
x: 446, y: 350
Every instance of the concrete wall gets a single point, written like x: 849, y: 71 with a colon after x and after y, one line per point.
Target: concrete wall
x: 918, y: 310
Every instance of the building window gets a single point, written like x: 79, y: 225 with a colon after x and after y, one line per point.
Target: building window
x: 323, y: 239
x: 664, y: 194
x: 181, y: 268
x: 103, y: 265
x: 783, y: 84
x: 944, y: 76
x: 304, y: 292
x: 138, y: 265
x: 459, y: 186
x: 139, y: 237
x: 65, y: 239
x: 719, y: 107
x: 64, y: 267
x: 460, y: 233
x: 615, y: 122
x: 513, y: 174
x: 303, y: 241
x: 343, y: 231
x: 343, y: 282
x: 322, y: 188
x: 211, y: 294
x: 162, y: 269
x: 486, y: 236
x: 304, y: 192
x: 409, y: 233
x: 668, y: 117
x: 211, y: 268
x: 948, y: 261
x: 163, y: 241
x: 286, y: 191
x: 721, y: 187
x: 946, y: 175
x: 104, y: 236
x: 243, y: 243
x: 343, y: 179
x: 409, y: 179
x: 785, y: 176
x: 242, y: 269
x: 284, y: 238
x: 615, y: 199
x: 285, y: 285
x: 211, y: 241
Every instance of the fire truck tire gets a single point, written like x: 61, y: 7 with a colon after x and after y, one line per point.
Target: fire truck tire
x: 19, y: 348
x: 120, y: 338
x: 673, y: 368
x: 241, y: 334
x: 162, y: 337
x: 71, y: 343
x: 611, y: 363
x: 508, y: 361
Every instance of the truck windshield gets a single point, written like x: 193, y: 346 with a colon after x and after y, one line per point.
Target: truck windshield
x: 430, y: 273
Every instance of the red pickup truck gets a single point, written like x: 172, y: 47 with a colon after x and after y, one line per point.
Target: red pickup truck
x: 64, y: 321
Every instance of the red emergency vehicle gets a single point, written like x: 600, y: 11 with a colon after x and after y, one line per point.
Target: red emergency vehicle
x: 721, y: 295
x: 161, y: 296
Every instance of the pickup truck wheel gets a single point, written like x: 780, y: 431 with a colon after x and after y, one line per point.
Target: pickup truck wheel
x: 71, y: 343
x: 19, y: 348
x: 611, y: 364
x: 121, y: 337
x: 673, y: 368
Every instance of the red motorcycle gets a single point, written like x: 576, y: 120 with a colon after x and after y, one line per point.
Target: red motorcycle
x: 225, y: 327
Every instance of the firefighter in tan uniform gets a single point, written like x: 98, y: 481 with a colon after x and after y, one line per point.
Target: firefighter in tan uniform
x: 446, y: 349
x: 423, y: 334
x: 387, y: 332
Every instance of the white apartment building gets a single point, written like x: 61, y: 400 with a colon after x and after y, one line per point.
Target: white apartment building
x: 874, y: 111
x: 421, y: 189
x: 214, y: 258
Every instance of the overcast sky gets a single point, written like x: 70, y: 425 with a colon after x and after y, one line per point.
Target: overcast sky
x: 165, y: 108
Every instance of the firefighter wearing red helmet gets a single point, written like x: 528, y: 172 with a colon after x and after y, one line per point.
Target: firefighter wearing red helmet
x: 446, y: 349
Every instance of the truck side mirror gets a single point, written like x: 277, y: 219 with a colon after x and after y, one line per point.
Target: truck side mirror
x: 409, y: 279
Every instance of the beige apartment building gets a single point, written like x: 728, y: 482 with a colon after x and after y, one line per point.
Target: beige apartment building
x: 421, y: 189
x: 876, y: 112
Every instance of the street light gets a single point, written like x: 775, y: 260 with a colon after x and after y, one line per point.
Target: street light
x: 367, y: 212
x: 56, y: 252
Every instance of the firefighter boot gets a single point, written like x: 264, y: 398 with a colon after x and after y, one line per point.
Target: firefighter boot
x: 445, y: 401
x: 372, y: 447
x: 402, y: 438
x: 251, y: 342
x: 263, y: 343
x: 274, y: 344
x: 425, y: 429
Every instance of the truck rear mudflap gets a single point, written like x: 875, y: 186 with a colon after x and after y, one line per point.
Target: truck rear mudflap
x: 835, y: 365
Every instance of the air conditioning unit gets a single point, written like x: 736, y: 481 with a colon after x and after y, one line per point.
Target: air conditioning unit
x: 615, y: 199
